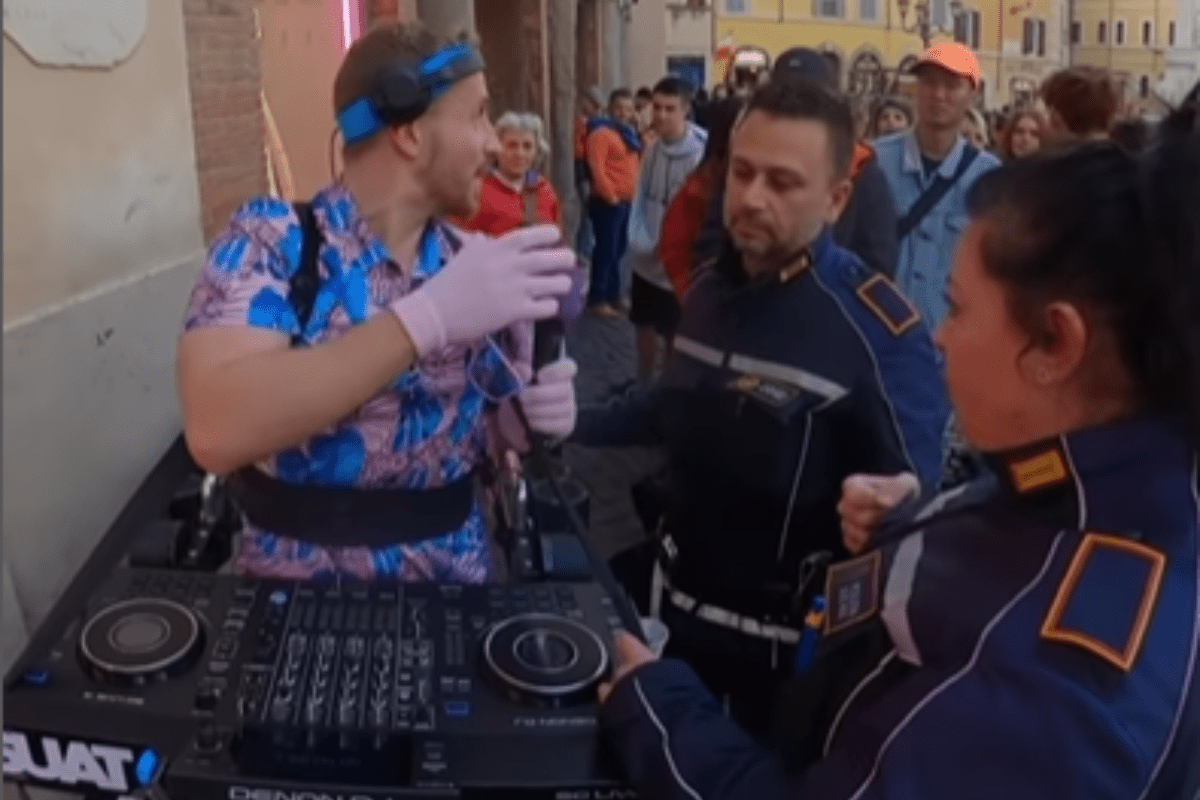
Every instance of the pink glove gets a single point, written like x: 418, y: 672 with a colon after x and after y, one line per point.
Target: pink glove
x: 549, y: 406
x: 489, y: 285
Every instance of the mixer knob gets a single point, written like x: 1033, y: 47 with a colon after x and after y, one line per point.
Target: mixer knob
x: 355, y: 647
x: 327, y: 644
x: 296, y: 643
x: 383, y: 646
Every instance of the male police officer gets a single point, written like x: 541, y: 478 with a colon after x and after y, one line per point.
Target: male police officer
x: 794, y: 366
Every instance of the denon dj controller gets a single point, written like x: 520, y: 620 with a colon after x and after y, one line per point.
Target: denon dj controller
x: 215, y: 687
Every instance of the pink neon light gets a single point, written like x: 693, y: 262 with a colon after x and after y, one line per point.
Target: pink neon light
x: 347, y: 31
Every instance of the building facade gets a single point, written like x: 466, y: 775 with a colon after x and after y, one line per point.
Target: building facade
x: 671, y: 37
x: 1181, y: 78
x: 871, y: 43
x: 1131, y: 38
x: 155, y: 137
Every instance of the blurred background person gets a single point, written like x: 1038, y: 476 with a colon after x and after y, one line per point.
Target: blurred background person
x: 643, y: 100
x: 676, y: 151
x: 975, y: 129
x: 1132, y: 134
x: 892, y: 115
x: 614, y: 150
x: 1023, y: 134
x: 591, y: 104
x: 515, y: 193
x: 1081, y: 104
x: 685, y: 215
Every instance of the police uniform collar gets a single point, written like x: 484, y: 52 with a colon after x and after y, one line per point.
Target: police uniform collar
x: 1065, y: 462
x: 806, y: 258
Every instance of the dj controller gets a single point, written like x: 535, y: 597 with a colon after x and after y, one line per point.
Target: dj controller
x: 192, y: 684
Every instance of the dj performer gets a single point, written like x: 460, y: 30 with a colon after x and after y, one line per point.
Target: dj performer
x: 341, y: 360
x: 795, y: 366
x: 1034, y: 634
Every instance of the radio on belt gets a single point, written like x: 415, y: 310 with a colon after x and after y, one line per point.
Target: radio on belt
x: 217, y: 688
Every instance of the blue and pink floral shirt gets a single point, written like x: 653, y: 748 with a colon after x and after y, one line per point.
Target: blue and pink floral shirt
x: 425, y: 430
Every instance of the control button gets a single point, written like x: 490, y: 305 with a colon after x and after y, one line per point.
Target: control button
x: 233, y: 625
x: 278, y: 597
x: 207, y: 699
x: 464, y: 685
x: 208, y: 740
x: 404, y: 694
x: 280, y: 711
x: 36, y: 677
x: 447, y: 684
x: 218, y: 667
x: 457, y: 708
x: 404, y: 717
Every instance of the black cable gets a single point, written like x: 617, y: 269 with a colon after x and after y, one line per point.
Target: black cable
x: 544, y: 468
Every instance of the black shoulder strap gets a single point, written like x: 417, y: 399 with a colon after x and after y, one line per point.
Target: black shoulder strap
x: 933, y: 193
x: 302, y: 292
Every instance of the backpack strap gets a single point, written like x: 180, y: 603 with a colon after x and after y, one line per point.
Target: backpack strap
x: 306, y: 280
x: 933, y: 194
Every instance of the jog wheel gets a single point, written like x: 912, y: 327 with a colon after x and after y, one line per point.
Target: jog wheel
x: 545, y: 659
x: 135, y: 641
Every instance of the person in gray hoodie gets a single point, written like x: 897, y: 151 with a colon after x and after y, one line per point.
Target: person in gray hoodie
x: 678, y: 147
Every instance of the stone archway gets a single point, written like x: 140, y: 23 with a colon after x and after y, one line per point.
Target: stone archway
x: 867, y: 76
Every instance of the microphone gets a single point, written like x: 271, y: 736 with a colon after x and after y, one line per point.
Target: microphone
x: 549, y: 335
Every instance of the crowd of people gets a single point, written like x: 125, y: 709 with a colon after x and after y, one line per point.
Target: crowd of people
x: 930, y: 401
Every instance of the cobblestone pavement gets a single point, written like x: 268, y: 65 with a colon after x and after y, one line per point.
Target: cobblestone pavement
x: 604, y: 349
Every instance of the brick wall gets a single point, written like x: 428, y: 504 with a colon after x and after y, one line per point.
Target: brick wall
x: 224, y: 77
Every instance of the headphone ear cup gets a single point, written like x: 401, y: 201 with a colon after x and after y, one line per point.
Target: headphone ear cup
x: 399, y: 95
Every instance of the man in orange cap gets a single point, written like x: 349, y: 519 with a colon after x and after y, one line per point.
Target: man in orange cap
x: 930, y: 168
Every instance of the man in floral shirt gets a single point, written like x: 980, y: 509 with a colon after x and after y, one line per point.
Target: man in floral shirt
x: 351, y: 431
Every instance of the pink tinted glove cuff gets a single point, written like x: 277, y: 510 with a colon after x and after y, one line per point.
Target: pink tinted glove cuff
x: 421, y: 318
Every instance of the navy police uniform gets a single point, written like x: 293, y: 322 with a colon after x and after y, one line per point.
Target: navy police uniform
x: 777, y: 389
x: 1041, y: 632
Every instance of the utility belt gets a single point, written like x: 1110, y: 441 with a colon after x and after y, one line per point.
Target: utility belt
x: 784, y: 627
x: 344, y: 516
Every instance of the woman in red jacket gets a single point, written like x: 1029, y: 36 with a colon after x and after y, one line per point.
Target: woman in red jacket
x: 515, y: 194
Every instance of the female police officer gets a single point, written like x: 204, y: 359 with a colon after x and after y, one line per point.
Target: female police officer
x: 1041, y: 632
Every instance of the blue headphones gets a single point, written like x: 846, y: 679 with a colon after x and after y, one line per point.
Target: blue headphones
x: 403, y: 91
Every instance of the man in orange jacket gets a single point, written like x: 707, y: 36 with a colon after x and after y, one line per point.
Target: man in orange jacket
x: 613, y: 153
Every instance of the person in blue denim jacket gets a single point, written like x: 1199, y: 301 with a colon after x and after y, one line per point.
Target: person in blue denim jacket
x: 934, y: 160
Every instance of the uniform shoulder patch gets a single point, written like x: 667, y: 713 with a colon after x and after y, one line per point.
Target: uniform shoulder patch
x: 1107, y: 597
x: 886, y: 301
